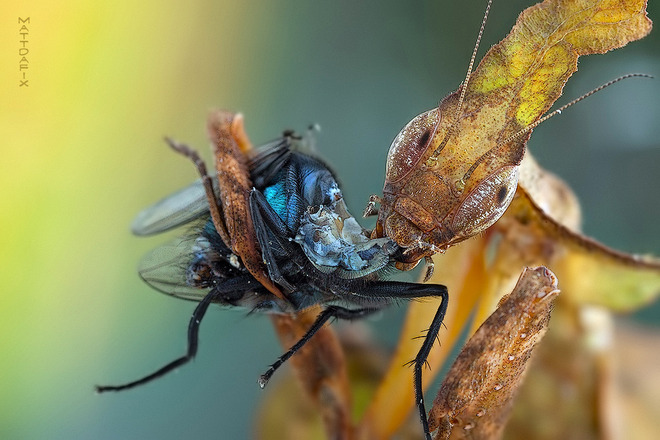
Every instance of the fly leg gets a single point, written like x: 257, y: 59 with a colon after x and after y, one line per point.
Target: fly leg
x: 330, y: 312
x: 217, y: 214
x: 266, y: 220
x: 238, y: 284
x: 269, y: 161
x: 420, y: 360
x: 193, y: 333
x: 399, y: 290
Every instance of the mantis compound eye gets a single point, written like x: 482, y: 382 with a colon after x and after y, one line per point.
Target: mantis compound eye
x: 486, y: 202
x: 410, y: 145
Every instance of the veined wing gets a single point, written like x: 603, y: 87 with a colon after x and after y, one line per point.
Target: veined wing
x: 175, y: 210
x: 174, y: 268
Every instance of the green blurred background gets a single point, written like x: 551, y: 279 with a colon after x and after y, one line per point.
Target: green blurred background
x: 82, y: 153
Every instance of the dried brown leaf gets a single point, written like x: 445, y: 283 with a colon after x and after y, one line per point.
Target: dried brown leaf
x: 476, y: 397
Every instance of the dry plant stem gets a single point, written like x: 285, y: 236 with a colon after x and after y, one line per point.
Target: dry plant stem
x: 476, y: 397
x: 229, y: 145
x: 321, y: 370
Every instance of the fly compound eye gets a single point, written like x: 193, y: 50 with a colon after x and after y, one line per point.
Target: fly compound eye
x: 319, y: 187
x: 410, y: 145
x: 486, y: 203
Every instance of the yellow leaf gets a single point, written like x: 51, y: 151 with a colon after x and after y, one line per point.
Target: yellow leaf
x: 592, y: 273
x: 527, y: 70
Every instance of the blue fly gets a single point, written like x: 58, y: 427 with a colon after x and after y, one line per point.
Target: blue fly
x: 313, y: 248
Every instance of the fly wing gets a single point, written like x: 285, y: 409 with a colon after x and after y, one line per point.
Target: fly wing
x: 268, y: 161
x: 190, y: 203
x: 169, y: 269
x: 174, y: 210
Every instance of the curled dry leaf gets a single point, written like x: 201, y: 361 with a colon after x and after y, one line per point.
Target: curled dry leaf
x: 569, y: 390
x: 477, y: 394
